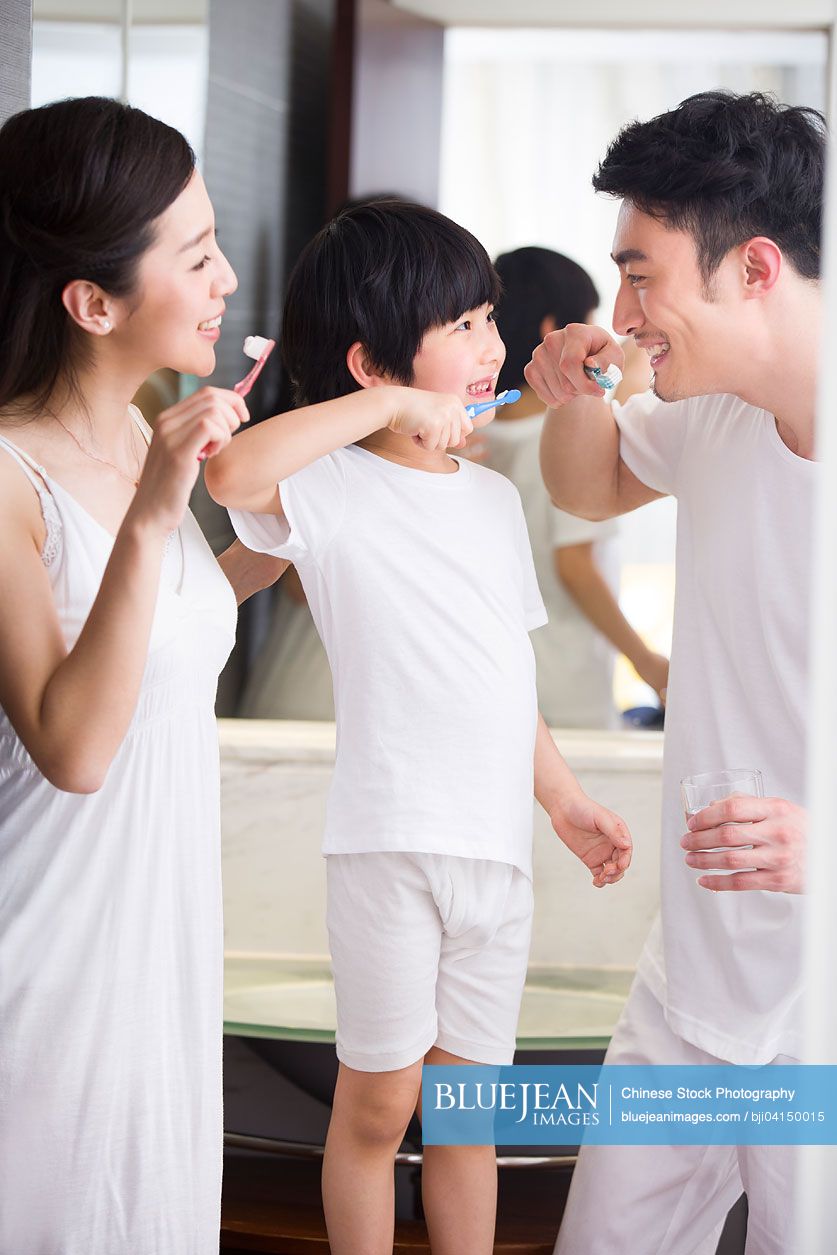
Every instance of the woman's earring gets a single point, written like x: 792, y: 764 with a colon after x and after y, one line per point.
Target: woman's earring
x: 106, y: 324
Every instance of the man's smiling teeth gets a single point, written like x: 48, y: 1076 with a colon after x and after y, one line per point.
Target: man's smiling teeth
x: 656, y: 350
x: 480, y: 389
x: 210, y: 324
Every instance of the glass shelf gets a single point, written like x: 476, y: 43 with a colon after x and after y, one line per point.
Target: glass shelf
x: 564, y: 1008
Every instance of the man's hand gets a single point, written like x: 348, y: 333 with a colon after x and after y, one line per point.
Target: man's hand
x: 556, y: 371
x: 595, y: 835
x: 775, y: 828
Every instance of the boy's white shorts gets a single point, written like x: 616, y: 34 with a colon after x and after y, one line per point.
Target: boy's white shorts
x: 426, y: 949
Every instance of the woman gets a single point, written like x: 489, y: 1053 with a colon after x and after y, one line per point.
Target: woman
x: 115, y: 620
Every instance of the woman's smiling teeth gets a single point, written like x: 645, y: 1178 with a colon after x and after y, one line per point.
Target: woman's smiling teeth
x: 210, y: 324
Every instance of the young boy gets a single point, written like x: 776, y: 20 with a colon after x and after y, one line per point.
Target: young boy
x: 419, y: 575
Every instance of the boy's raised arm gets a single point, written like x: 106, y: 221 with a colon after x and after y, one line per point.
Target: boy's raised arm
x: 580, y: 459
x: 245, y: 476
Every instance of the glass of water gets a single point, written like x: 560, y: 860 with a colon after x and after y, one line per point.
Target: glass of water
x: 700, y: 791
x: 713, y: 786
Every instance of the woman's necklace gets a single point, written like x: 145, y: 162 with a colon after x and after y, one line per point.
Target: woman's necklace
x: 104, y: 461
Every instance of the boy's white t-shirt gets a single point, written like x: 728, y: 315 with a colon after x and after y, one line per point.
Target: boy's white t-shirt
x: 423, y: 590
x: 574, y: 659
x: 727, y: 966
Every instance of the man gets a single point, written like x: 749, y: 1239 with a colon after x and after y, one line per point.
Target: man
x: 717, y: 245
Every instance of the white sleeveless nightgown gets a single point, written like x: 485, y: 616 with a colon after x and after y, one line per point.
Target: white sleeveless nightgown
x: 111, y: 937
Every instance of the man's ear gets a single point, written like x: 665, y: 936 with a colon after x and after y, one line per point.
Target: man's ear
x: 762, y: 264
x: 361, y: 369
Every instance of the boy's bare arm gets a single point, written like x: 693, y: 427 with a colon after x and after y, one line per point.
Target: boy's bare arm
x: 580, y: 458
x: 595, y: 835
x: 245, y: 475
x: 250, y: 572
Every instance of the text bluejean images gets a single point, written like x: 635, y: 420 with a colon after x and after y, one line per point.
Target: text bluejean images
x: 787, y: 1104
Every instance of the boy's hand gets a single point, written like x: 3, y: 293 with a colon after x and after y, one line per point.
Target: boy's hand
x: 556, y: 371
x: 595, y: 835
x: 433, y: 419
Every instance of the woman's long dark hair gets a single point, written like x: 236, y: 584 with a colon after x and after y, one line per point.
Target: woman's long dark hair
x: 81, y: 184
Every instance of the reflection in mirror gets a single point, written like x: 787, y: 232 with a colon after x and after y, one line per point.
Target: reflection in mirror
x: 576, y: 560
x: 270, y: 81
x: 158, y: 64
x: 527, y: 115
x: 75, y: 44
x: 79, y: 48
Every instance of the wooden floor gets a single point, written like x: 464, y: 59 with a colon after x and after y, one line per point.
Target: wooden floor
x: 272, y: 1204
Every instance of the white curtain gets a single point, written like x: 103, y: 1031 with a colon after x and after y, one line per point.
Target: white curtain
x: 528, y: 114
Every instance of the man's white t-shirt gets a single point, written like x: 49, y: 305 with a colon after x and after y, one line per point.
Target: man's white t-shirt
x: 727, y: 966
x: 574, y: 659
x: 423, y: 590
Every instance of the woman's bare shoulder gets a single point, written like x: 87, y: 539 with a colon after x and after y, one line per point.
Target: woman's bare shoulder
x: 20, y: 507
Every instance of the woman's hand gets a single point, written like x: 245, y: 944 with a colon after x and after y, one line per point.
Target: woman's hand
x: 184, y: 434
x: 435, y: 420
x: 653, y: 669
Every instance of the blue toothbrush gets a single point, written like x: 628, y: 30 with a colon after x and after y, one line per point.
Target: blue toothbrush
x: 606, y: 379
x: 505, y: 398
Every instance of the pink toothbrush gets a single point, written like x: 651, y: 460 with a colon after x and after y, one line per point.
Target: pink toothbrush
x: 261, y: 349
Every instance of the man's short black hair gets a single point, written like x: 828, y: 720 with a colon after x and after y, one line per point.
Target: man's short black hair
x: 537, y: 283
x: 727, y: 167
x: 382, y: 273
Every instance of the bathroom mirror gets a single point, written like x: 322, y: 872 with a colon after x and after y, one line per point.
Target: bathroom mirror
x: 524, y: 114
x: 512, y: 124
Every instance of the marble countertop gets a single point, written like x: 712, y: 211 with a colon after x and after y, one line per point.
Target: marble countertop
x: 268, y: 740
x: 275, y: 781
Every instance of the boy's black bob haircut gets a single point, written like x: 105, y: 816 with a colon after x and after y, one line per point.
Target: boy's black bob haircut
x: 382, y: 273
x: 537, y: 283
x: 726, y: 168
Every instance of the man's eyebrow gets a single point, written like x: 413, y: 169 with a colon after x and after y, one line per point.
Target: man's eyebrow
x: 184, y: 248
x: 629, y: 254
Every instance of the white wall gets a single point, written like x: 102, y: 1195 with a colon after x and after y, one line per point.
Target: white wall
x: 397, y: 106
x: 167, y: 68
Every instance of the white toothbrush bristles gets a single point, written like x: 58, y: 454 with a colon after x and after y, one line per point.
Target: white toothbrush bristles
x: 254, y: 346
